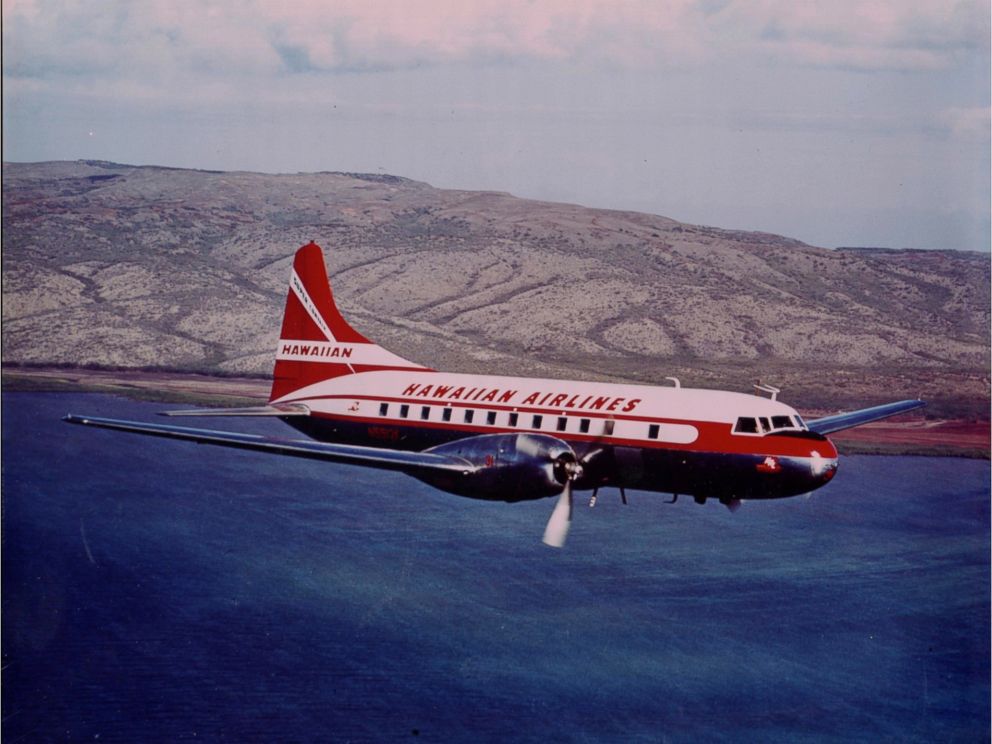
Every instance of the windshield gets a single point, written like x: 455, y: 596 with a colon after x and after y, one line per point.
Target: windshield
x: 765, y: 424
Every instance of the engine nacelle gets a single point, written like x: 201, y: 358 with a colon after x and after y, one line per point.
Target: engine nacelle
x: 506, y: 467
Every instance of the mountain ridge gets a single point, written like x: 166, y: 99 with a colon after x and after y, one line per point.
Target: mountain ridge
x: 134, y: 266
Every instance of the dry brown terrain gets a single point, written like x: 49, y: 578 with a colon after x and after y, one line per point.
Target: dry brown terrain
x: 145, y: 267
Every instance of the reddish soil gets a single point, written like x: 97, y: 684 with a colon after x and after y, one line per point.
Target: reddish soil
x: 956, y: 435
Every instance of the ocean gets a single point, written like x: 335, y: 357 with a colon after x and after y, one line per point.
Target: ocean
x: 156, y: 590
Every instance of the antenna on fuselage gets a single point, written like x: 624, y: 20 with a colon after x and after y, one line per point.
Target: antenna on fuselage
x: 771, y: 390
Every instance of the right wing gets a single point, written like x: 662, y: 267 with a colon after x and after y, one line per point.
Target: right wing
x: 840, y: 421
x: 386, y: 459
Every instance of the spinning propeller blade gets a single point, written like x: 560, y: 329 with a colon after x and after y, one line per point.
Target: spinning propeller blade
x: 561, y: 519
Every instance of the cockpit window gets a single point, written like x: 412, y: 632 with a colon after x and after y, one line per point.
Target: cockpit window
x: 765, y: 425
x: 746, y: 425
x: 782, y: 422
x: 800, y: 422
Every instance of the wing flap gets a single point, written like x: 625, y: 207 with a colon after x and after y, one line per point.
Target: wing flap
x: 841, y: 421
x: 407, y: 462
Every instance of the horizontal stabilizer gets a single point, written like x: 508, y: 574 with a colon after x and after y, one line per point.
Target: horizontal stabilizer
x: 287, y: 409
x: 841, y: 421
x: 406, y: 462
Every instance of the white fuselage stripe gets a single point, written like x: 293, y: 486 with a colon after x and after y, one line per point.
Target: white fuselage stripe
x: 298, y: 350
x: 300, y: 290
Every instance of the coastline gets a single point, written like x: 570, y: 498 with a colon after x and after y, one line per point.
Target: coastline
x: 915, y: 436
x: 168, y: 387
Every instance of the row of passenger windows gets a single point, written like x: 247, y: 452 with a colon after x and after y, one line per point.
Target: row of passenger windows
x: 512, y: 419
x: 764, y: 424
x: 744, y: 425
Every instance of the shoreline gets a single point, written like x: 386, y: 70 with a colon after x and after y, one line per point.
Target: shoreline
x: 167, y: 387
x: 916, y: 436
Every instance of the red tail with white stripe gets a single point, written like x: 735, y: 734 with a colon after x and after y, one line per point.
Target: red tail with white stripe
x: 316, y: 343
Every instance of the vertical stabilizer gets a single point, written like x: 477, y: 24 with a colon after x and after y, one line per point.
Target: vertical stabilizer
x: 316, y: 343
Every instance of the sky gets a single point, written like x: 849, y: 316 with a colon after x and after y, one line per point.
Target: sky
x: 840, y: 124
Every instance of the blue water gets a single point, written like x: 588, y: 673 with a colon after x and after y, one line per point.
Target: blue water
x: 163, y: 591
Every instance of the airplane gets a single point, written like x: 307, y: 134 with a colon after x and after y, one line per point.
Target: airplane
x: 513, y: 439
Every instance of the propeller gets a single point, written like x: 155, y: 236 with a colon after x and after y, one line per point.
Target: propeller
x: 567, y: 469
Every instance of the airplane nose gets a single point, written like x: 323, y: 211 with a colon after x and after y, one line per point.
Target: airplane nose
x: 823, y: 461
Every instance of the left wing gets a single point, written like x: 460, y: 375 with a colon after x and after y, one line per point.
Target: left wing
x: 283, y: 409
x: 841, y: 421
x: 387, y: 459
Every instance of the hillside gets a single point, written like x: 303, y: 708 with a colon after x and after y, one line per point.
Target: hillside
x: 116, y: 265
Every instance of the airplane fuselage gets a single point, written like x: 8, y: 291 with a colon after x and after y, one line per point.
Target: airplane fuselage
x: 703, y: 443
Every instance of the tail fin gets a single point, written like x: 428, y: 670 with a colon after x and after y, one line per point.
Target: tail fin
x: 316, y: 343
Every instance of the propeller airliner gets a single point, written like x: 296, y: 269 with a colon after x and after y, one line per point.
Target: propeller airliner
x: 516, y: 438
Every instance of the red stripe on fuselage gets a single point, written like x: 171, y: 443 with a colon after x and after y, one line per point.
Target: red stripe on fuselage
x: 715, y: 437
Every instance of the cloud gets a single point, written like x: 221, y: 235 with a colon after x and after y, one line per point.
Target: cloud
x: 968, y: 123
x: 910, y: 35
x: 177, y: 37
x: 66, y: 37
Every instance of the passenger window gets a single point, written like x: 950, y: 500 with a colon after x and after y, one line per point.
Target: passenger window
x: 562, y: 423
x: 446, y: 414
x: 653, y: 431
x: 469, y: 415
x: 746, y: 426
x: 513, y: 419
x: 584, y: 426
x: 425, y: 413
x: 536, y: 422
x: 608, y: 428
x: 491, y: 418
x: 404, y: 410
x: 383, y: 409
x: 781, y: 422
